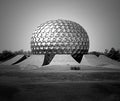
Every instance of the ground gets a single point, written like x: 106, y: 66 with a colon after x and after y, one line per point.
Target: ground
x: 49, y: 84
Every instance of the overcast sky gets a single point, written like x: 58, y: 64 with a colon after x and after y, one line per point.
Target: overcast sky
x: 19, y: 18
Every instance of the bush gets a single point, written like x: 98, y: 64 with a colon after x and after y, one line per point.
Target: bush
x: 5, y: 55
x: 75, y: 68
x: 96, y: 53
x: 113, y: 54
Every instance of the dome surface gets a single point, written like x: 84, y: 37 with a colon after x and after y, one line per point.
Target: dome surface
x: 59, y: 37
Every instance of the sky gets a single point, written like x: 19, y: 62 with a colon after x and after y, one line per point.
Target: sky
x: 19, y: 19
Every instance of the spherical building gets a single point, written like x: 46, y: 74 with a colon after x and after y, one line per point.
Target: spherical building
x: 60, y: 37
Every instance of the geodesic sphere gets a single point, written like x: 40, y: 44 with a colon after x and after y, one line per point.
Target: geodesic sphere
x: 59, y: 37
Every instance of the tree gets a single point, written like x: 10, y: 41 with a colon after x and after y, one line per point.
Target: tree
x: 113, y: 54
x: 96, y: 53
x: 6, y: 55
x: 106, y: 51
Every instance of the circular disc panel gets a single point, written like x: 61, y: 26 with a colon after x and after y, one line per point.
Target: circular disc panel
x: 59, y: 37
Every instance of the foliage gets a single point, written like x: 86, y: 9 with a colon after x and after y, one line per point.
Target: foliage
x: 5, y: 55
x: 75, y: 68
x: 113, y: 54
x: 96, y: 53
x: 22, y: 52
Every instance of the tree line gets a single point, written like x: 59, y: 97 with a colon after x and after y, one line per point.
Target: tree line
x: 7, y: 54
x: 112, y: 53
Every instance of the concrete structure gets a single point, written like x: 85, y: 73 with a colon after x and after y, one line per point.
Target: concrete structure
x: 92, y: 60
x: 108, y: 60
x: 62, y: 59
x: 33, y: 60
x: 60, y: 37
x: 112, y: 66
x: 13, y: 60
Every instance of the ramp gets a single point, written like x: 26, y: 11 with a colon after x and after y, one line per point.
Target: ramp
x: 112, y: 66
x: 108, y: 60
x: 33, y: 60
x: 92, y: 60
x: 61, y: 59
x: 13, y: 60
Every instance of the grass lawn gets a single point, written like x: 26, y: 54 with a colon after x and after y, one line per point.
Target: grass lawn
x: 61, y: 92
x: 34, y: 85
